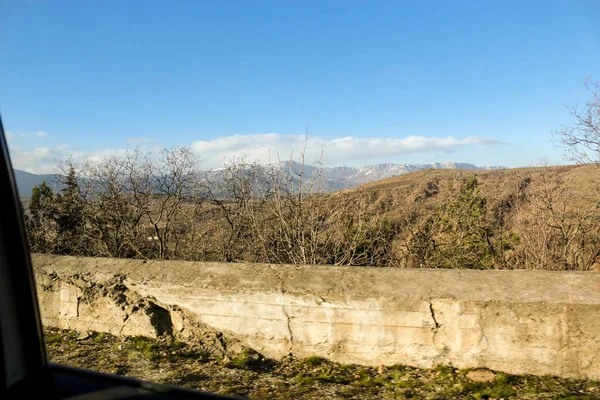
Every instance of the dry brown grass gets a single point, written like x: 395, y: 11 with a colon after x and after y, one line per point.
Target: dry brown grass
x: 525, y: 218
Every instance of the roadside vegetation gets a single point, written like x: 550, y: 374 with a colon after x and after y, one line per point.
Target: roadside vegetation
x: 251, y: 375
x: 140, y: 205
x: 533, y: 218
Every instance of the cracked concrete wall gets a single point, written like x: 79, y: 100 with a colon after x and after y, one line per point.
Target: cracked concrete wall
x: 522, y: 322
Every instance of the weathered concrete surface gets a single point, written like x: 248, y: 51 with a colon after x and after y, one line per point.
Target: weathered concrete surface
x: 522, y: 322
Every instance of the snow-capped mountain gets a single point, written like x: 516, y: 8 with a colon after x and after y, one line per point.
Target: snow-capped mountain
x: 347, y: 177
x: 376, y: 172
x: 334, y: 178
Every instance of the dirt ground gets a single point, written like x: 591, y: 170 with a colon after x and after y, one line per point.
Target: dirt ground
x: 248, y: 374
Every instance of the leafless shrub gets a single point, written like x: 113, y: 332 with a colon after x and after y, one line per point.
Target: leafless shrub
x: 131, y: 203
x: 357, y: 235
x: 161, y: 188
x: 241, y: 194
x: 554, y: 232
x: 299, y: 214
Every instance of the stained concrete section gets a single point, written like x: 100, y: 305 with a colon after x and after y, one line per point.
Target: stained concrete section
x: 521, y: 322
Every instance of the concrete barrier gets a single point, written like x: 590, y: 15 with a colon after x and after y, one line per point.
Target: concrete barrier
x: 520, y: 322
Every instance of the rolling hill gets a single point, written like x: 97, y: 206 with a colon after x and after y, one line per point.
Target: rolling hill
x: 335, y: 178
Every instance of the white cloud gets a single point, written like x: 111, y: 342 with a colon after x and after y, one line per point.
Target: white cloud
x: 140, y: 140
x: 41, y: 134
x: 24, y: 134
x: 273, y: 146
x: 262, y: 148
x: 45, y: 160
x: 9, y: 136
x: 40, y: 160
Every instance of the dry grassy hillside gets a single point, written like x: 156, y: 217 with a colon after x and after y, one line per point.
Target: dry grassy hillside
x: 526, y: 218
x: 585, y: 178
x: 579, y: 183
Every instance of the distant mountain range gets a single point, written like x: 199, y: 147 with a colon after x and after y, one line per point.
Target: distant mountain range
x: 26, y: 181
x: 335, y: 178
x: 348, y: 177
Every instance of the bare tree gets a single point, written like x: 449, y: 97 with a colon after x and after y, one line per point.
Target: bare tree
x: 112, y: 216
x: 555, y: 231
x: 241, y: 193
x: 131, y: 203
x: 299, y: 211
x: 581, y: 139
x: 160, y: 188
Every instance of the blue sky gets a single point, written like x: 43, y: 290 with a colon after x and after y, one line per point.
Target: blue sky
x: 483, y: 82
